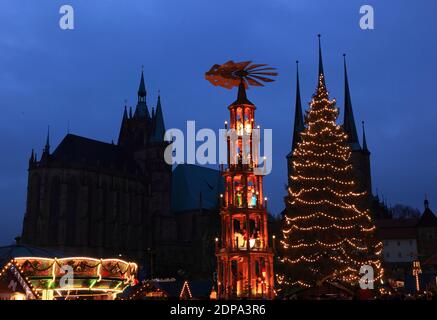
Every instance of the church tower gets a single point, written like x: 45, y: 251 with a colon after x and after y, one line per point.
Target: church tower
x: 244, y: 258
x: 136, y: 129
x: 360, y: 155
x: 91, y: 197
x: 298, y: 125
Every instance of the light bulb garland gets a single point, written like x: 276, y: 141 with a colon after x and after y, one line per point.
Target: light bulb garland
x: 328, y: 233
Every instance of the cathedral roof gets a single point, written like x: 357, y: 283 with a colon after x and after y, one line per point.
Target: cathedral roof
x: 195, y: 187
x: 77, y: 150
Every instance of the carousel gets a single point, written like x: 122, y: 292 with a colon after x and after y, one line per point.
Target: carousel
x: 66, y: 278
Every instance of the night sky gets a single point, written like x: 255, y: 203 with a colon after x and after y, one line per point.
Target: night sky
x: 80, y: 78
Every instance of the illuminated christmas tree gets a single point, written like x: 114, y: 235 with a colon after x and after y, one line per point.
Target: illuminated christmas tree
x: 326, y: 235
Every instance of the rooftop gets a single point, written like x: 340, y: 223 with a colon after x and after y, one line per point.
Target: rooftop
x: 78, y: 150
x: 195, y: 187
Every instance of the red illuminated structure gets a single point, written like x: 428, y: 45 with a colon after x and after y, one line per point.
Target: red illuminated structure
x: 244, y: 258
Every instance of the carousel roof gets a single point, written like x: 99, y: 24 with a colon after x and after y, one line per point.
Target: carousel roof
x: 41, y: 269
x: 18, y: 250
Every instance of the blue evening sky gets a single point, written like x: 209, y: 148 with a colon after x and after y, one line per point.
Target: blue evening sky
x: 80, y: 78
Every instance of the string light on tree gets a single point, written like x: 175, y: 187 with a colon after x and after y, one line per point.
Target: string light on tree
x: 327, y: 235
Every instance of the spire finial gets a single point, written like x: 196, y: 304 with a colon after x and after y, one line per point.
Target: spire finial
x: 125, y: 113
x: 364, y: 138
x: 426, y: 202
x: 32, y: 157
x: 297, y: 74
x: 141, y: 110
x: 125, y: 110
x: 158, y: 103
x: 47, y: 146
x: 142, y: 87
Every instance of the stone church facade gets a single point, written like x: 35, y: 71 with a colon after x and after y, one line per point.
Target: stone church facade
x: 100, y: 199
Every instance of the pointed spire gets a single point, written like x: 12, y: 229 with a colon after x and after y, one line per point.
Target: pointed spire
x: 349, y: 120
x: 124, y: 123
x: 46, y: 151
x: 321, y: 72
x: 47, y: 146
x: 241, y: 96
x: 426, y: 202
x: 364, y: 138
x: 241, y: 92
x: 130, y: 112
x: 141, y: 109
x: 32, y: 157
x: 125, y: 112
x: 142, y: 88
x: 298, y: 117
x: 159, y: 126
